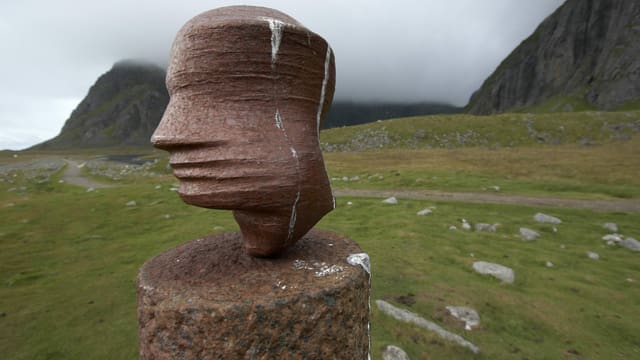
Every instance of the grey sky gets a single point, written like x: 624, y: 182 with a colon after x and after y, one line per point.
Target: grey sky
x: 402, y: 50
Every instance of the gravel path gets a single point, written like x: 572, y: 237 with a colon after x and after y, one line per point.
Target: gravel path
x: 471, y: 197
x: 73, y: 175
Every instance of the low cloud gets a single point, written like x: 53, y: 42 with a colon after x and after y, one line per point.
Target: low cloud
x: 395, y: 51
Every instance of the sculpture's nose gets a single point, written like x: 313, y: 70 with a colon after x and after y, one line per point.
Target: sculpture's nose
x: 170, y: 131
x: 164, y: 141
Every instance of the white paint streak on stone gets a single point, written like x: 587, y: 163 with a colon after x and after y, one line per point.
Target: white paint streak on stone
x: 329, y: 270
x: 279, y: 120
x: 360, y: 259
x: 363, y: 260
x: 323, y: 91
x: 276, y: 36
x: 294, y: 214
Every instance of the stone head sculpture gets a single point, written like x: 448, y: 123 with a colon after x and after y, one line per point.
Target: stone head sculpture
x: 249, y: 89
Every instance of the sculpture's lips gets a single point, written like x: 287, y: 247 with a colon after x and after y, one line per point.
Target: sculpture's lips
x: 198, y: 170
x: 223, y: 169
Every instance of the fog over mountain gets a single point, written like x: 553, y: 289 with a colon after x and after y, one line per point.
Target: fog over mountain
x: 401, y: 51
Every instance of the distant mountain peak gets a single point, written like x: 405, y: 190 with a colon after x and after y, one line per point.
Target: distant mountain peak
x: 585, y: 55
x: 123, y: 107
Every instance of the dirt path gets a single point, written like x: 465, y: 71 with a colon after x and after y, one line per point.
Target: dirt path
x: 73, y: 175
x: 598, y: 205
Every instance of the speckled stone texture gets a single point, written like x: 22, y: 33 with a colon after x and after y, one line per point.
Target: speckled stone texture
x: 249, y: 88
x: 207, y: 299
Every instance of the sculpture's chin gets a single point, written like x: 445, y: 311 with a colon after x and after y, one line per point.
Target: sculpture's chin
x: 267, y: 234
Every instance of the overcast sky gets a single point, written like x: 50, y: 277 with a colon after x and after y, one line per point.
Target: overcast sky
x: 401, y: 50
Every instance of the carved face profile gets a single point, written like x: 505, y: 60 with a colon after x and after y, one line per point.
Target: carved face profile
x: 249, y: 89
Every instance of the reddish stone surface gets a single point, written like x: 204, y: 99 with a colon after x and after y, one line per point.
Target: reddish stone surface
x: 249, y: 89
x: 207, y: 299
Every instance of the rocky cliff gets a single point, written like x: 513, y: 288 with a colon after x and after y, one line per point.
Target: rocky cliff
x: 585, y: 55
x: 123, y: 107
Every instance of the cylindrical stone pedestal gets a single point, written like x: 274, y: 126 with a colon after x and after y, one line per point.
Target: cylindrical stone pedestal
x: 208, y: 299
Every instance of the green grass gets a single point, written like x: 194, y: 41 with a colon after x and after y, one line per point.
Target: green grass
x: 632, y: 105
x: 608, y: 171
x: 69, y: 261
x: 496, y: 131
x: 546, y: 313
x: 69, y: 258
x: 560, y: 104
x: 502, y: 150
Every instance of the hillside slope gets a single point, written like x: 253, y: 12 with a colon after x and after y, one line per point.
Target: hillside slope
x: 123, y: 107
x: 344, y: 113
x: 586, y: 55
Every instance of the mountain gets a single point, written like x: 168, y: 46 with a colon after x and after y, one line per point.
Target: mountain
x: 344, y: 113
x: 586, y: 55
x: 123, y: 107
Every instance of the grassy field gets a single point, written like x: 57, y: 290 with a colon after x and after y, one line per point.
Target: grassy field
x: 606, y: 171
x: 583, y: 155
x: 69, y: 258
x: 69, y: 261
x: 498, y: 131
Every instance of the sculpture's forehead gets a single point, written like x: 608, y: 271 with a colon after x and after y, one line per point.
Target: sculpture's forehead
x: 239, y: 15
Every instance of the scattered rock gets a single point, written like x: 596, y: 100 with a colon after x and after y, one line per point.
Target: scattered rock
x: 409, y: 317
x: 167, y: 216
x: 542, y: 218
x: 631, y: 244
x: 60, y: 181
x: 466, y: 314
x: 132, y: 203
x: 486, y: 227
x: 465, y: 225
x: 494, y: 188
x: 528, y: 234
x: 158, y: 187
x: 612, y: 238
x: 90, y: 189
x: 392, y: 200
x: 355, y: 178
x: 349, y: 203
x: 393, y: 352
x: 453, y: 227
x: 562, y: 247
x: 593, y: 255
x: 496, y: 270
x: 345, y: 178
x: 549, y: 264
x: 611, y: 226
x: 424, y: 212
